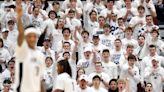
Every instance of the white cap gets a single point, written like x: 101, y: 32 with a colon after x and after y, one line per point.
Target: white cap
x: 32, y: 30
x: 88, y: 49
x: 5, y: 30
x: 83, y: 77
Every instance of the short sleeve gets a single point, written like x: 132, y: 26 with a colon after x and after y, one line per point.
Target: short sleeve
x: 59, y: 83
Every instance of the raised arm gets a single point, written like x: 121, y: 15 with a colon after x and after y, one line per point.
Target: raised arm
x: 19, y: 12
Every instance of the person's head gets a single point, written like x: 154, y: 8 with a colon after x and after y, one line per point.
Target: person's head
x: 141, y: 10
x: 36, y: 11
x: 113, y: 84
x: 110, y: 3
x: 128, y: 32
x: 152, y: 50
x: 66, y: 55
x: 83, y: 81
x: 1, y: 42
x: 66, y: 46
x: 149, y: 19
x: 37, y: 3
x: 128, y: 2
x: 117, y: 43
x: 46, y: 43
x: 5, y: 33
x: 66, y: 32
x: 71, y: 13
x: 80, y: 71
x: 141, y: 40
x: 48, y: 61
x: 106, y: 55
x: 129, y: 49
x: 6, y: 85
x: 64, y: 67
x: 95, y: 39
x: 121, y: 84
x: 131, y: 60
x: 149, y: 87
x: 155, y: 62
x: 107, y: 29
x: 93, y: 15
x: 96, y: 80
x: 114, y: 17
x: 11, y: 63
x: 11, y: 24
x: 52, y: 14
x: 60, y: 23
x: 31, y: 35
x: 101, y: 20
x: 56, y: 5
x: 120, y: 21
x: 85, y: 35
x: 154, y: 33
x: 98, y: 67
x: 87, y: 52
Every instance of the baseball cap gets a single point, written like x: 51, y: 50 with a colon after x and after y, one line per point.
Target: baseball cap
x: 32, y: 30
x: 83, y: 77
x: 5, y: 30
x: 95, y: 36
x: 88, y: 49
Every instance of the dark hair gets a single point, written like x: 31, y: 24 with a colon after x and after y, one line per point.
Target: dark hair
x: 106, y: 25
x: 46, y: 5
x: 49, y: 58
x: 115, y: 80
x: 1, y: 40
x: 52, y: 11
x: 55, y: 2
x: 78, y: 71
x: 152, y: 46
x: 66, y: 66
x: 29, y: 26
x: 11, y: 60
x: 106, y: 50
x: 1, y: 70
x: 118, y: 40
x: 110, y: 1
x: 64, y: 29
x: 131, y: 56
x: 92, y: 12
x: 149, y: 83
x: 141, y: 7
x: 129, y: 28
x: 84, y: 32
x: 8, y: 81
x: 66, y: 53
x: 101, y: 17
x: 96, y: 76
x: 98, y: 63
x: 141, y: 36
x: 120, y: 18
x: 67, y: 43
x: 155, y: 30
x: 34, y: 8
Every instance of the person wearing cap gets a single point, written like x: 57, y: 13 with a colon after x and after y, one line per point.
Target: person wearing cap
x: 131, y: 72
x: 155, y: 75
x: 46, y: 50
x: 96, y: 80
x: 107, y: 38
x: 83, y: 87
x: 30, y: 63
x: 87, y: 62
x: 129, y: 38
x: 103, y: 75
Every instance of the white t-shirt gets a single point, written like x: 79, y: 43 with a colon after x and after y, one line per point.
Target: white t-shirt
x: 101, y: 89
x: 106, y: 11
x: 33, y: 68
x: 12, y: 36
x: 65, y: 83
x: 88, y: 89
x: 126, y: 42
x: 5, y: 56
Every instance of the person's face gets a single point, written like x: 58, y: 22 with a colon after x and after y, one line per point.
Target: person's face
x: 59, y: 69
x: 66, y: 56
x: 155, y: 63
x: 148, y: 88
x: 85, y: 36
x: 11, y: 26
x: 107, y: 30
x: 128, y: 2
x: 1, y: 44
x: 131, y: 62
x: 128, y: 33
x: 66, y: 47
x: 141, y: 41
x: 114, y: 17
x: 120, y: 22
x: 71, y: 15
x: 98, y: 68
x: 36, y: 12
x: 101, y: 21
x: 80, y: 72
x: 6, y: 87
x: 48, y: 62
x: 121, y: 85
x: 96, y: 41
x: 154, y: 34
x: 110, y: 4
x: 11, y: 65
x: 117, y: 44
x: 61, y: 23
x: 93, y: 15
x: 66, y: 33
x: 56, y: 7
x: 96, y: 82
x: 46, y: 44
x: 130, y: 50
x: 113, y: 85
x: 31, y: 39
x: 37, y: 4
x: 105, y: 55
x: 52, y: 16
x: 149, y: 20
x: 152, y: 50
x: 5, y: 34
x: 83, y: 84
x: 87, y: 54
x: 141, y: 11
